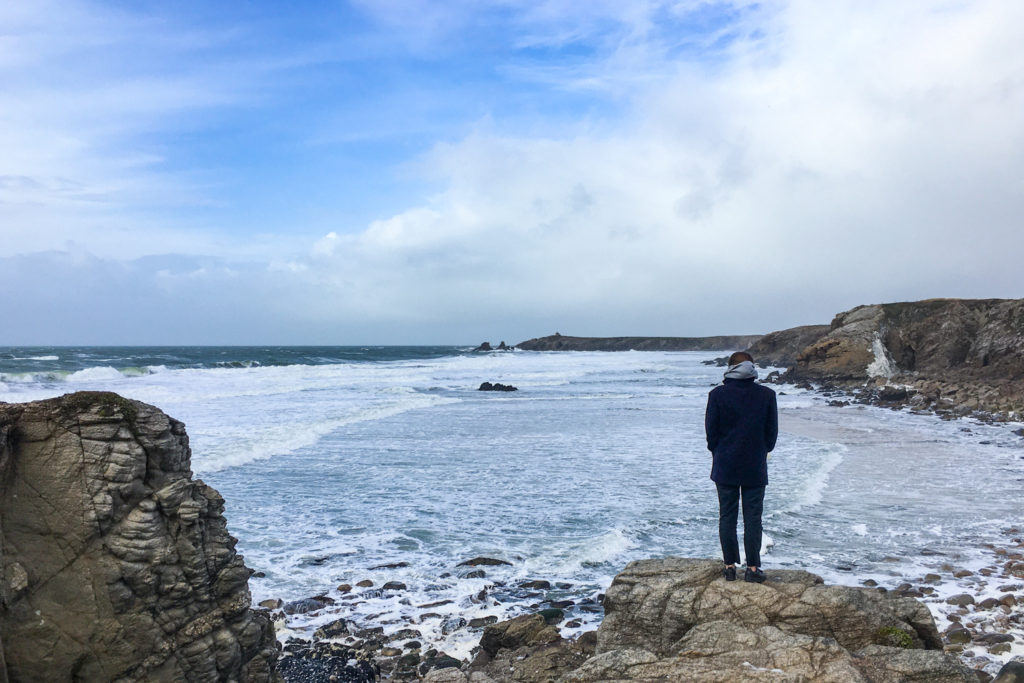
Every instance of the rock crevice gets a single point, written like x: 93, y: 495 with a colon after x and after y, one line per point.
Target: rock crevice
x: 116, y: 564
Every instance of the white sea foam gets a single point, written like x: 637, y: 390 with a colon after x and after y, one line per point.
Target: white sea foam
x: 96, y: 374
x: 251, y: 444
x: 599, y: 459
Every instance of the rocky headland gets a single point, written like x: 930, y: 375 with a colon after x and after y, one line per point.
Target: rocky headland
x: 561, y: 342
x: 952, y: 356
x: 117, y: 565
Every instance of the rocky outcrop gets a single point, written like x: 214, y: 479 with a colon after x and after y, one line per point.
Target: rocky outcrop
x: 116, y: 564
x: 952, y: 355
x: 486, y: 346
x: 781, y: 348
x: 496, y: 386
x: 677, y: 619
x: 560, y: 342
x: 974, y: 339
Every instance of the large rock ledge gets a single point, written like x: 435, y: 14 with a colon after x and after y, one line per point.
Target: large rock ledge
x: 677, y: 619
x: 116, y: 565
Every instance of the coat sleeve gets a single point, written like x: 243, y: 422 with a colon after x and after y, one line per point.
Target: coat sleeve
x: 711, y: 422
x: 771, y: 425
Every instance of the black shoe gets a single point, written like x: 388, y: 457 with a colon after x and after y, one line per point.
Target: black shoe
x: 729, y: 573
x: 754, y: 576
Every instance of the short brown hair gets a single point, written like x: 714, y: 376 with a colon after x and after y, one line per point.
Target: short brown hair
x: 739, y: 357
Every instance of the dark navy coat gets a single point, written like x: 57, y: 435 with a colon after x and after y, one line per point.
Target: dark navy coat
x: 742, y: 423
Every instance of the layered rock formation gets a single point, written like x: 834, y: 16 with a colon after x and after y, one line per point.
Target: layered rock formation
x: 956, y: 355
x: 117, y: 565
x: 560, y: 342
x: 677, y: 619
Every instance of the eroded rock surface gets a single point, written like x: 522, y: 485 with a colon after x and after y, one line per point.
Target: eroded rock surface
x: 949, y: 355
x: 116, y: 564
x: 677, y: 619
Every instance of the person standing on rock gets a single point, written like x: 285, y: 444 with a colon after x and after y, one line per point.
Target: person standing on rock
x: 742, y: 424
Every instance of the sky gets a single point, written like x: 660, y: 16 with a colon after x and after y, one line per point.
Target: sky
x: 454, y: 171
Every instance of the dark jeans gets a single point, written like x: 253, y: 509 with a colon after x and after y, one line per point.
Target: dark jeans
x: 728, y: 507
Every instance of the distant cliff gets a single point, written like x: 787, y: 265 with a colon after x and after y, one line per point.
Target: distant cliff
x: 560, y: 342
x: 952, y: 354
x: 115, y: 563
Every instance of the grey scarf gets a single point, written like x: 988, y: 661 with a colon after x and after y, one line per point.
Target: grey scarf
x: 744, y: 370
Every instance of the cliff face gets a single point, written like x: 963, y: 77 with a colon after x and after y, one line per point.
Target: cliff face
x: 116, y: 565
x: 979, y: 339
x: 955, y: 355
x: 559, y: 342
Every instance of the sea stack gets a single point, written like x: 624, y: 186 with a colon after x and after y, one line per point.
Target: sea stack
x: 116, y: 564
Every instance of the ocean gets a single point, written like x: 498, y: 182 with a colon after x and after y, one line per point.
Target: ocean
x: 342, y: 464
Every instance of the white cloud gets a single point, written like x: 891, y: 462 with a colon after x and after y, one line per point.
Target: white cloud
x: 833, y: 154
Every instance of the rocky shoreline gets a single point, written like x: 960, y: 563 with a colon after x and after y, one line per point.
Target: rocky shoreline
x: 976, y: 612
x: 159, y: 546
x: 871, y: 633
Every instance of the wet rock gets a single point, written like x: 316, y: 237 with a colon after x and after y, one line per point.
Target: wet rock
x: 394, y: 586
x: 497, y: 386
x: 483, y: 562
x: 321, y: 662
x: 344, y: 588
x: 480, y: 622
x: 365, y: 583
x: 475, y: 574
x: 536, y: 585
x: 993, y: 638
x: 552, y: 615
x: 273, y: 603
x: 961, y: 600
x: 305, y: 605
x: 958, y: 635
x: 1012, y: 672
x: 452, y: 624
x: 393, y: 565
x: 338, y: 627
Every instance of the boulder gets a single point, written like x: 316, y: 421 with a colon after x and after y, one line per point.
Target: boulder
x: 678, y: 619
x: 496, y: 386
x: 116, y: 564
x: 527, y: 649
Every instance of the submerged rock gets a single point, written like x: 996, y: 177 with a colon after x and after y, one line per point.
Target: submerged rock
x: 117, y: 565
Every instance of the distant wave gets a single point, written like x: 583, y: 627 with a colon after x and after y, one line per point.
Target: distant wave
x: 288, y: 438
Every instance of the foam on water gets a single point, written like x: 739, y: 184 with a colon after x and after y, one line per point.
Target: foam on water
x: 332, y: 468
